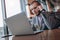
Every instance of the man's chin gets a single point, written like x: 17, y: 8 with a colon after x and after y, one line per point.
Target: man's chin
x: 38, y: 14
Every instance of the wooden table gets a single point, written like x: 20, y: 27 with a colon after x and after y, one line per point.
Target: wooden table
x: 46, y: 35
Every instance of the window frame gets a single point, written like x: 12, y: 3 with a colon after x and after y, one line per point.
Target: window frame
x: 23, y: 9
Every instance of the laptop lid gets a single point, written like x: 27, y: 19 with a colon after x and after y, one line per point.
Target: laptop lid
x: 19, y: 24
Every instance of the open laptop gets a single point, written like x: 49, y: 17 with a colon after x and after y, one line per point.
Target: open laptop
x: 19, y: 24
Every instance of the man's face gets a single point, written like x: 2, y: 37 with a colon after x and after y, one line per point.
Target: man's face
x: 35, y: 8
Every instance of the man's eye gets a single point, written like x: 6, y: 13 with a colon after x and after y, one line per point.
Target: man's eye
x: 35, y: 7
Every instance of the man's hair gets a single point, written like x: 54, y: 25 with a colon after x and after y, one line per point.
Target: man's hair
x: 35, y: 2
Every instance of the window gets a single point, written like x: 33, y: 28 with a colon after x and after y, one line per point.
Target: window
x: 1, y: 17
x: 1, y: 21
x: 12, y: 7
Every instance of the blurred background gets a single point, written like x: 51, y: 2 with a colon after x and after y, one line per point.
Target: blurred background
x: 10, y: 8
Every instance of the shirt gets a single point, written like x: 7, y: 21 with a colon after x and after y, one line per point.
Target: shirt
x: 40, y: 22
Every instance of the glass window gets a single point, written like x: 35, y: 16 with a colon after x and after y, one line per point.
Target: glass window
x: 1, y: 21
x: 12, y: 7
x: 1, y: 18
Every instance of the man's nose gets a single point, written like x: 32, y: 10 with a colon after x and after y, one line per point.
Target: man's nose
x: 37, y: 8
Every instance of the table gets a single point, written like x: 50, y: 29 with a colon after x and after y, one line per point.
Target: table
x: 53, y: 34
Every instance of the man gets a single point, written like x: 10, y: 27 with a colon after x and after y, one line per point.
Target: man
x: 37, y: 8
x: 44, y: 19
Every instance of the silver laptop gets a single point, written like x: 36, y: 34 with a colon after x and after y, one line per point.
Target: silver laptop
x: 19, y: 24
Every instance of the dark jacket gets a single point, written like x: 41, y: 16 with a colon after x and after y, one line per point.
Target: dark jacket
x: 50, y: 19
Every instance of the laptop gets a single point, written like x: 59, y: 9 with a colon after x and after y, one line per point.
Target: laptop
x: 19, y: 24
